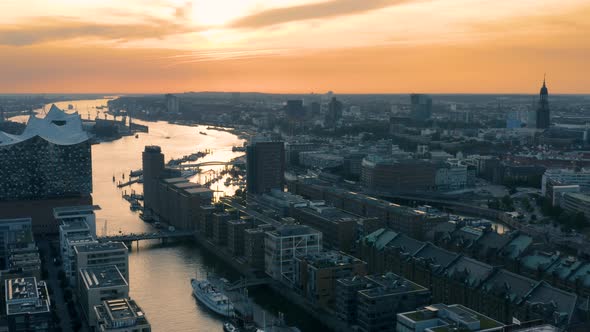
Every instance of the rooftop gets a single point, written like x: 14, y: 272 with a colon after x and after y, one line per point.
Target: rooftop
x: 517, y: 246
x: 330, y: 258
x: 293, y: 230
x: 435, y: 255
x: 448, y: 317
x: 77, y: 224
x: 71, y: 211
x: 186, y: 185
x: 563, y: 303
x: 120, y: 313
x: 56, y: 127
x: 581, y: 197
x: 199, y: 190
x: 104, y: 246
x: 330, y: 213
x: 512, y: 286
x: 540, y: 260
x: 174, y: 180
x: 472, y: 272
x: 390, y: 284
x: 104, y: 276
x: 26, y: 296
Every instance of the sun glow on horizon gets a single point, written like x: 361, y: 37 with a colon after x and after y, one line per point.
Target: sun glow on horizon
x: 312, y: 40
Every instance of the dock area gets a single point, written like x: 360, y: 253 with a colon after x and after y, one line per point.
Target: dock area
x: 246, y: 307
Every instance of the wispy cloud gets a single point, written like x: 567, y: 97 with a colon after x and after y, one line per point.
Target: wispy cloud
x: 36, y: 30
x: 326, y: 9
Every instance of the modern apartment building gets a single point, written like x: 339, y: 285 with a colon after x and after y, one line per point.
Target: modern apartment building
x: 27, y: 305
x: 316, y: 274
x: 121, y: 315
x: 103, y: 254
x: 284, y: 244
x: 446, y: 318
x: 98, y: 284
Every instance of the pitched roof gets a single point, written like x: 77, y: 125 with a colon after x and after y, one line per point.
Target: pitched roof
x: 405, y: 243
x: 563, y: 303
x: 511, y: 285
x: 435, y: 255
x: 471, y: 271
x: 517, y: 246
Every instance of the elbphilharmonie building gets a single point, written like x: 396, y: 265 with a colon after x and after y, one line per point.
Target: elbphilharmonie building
x: 50, y: 159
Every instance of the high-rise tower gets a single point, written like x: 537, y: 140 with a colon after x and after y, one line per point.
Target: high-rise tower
x: 265, y: 166
x: 153, y: 167
x: 421, y: 107
x: 543, y: 113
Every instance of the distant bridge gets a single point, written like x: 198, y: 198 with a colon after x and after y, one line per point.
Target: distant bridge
x: 164, y: 235
x: 208, y: 163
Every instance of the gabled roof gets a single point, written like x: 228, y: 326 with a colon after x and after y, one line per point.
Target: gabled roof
x: 405, y: 244
x: 564, y: 267
x: 472, y: 272
x: 380, y: 238
x: 492, y: 241
x: 511, y: 285
x: 582, y: 275
x: 540, y: 260
x: 517, y: 246
x: 545, y: 296
x: 435, y: 255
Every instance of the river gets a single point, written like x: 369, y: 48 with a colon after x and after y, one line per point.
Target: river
x: 160, y: 274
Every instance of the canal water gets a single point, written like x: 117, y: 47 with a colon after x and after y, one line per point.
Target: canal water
x: 160, y: 274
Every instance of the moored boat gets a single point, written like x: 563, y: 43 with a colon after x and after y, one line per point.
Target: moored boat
x: 208, y: 295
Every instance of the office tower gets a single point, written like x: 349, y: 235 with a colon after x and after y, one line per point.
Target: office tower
x: 295, y: 110
x: 50, y: 159
x: 421, y: 107
x: 315, y: 108
x: 153, y: 167
x: 334, y: 113
x: 543, y: 113
x: 265, y: 166
x: 172, y: 103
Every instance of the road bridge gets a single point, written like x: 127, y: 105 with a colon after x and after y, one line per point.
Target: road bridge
x: 163, y: 235
x: 208, y: 163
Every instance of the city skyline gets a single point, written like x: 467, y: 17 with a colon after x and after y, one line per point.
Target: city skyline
x: 375, y: 46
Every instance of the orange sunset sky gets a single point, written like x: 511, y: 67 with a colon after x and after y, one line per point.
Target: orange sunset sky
x: 299, y: 46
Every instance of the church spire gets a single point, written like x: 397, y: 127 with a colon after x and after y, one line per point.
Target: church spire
x: 544, y: 90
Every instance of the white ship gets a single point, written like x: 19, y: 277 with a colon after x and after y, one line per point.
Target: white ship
x: 208, y: 295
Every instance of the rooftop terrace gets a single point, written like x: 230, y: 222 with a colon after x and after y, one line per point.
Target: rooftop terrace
x: 101, y: 277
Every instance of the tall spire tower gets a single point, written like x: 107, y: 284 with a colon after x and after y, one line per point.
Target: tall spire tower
x: 543, y: 113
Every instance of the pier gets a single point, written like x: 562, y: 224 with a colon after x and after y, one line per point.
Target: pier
x: 238, y: 294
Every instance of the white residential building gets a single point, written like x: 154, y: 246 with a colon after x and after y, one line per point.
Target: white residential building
x: 284, y: 244
x: 565, y: 177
